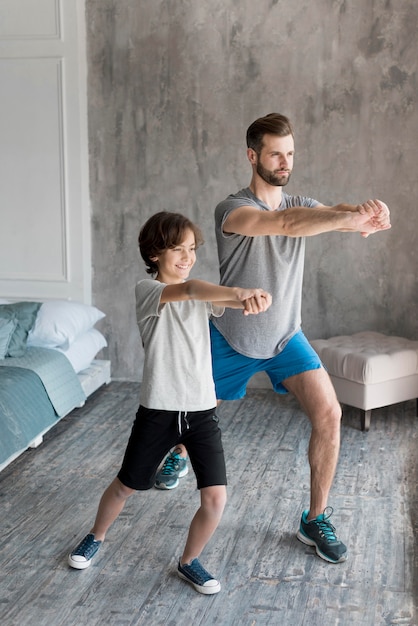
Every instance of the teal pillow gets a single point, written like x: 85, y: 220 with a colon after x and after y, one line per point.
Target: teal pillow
x: 7, y: 328
x: 25, y: 314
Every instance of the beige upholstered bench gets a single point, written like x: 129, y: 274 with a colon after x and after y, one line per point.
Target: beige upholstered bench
x: 370, y: 370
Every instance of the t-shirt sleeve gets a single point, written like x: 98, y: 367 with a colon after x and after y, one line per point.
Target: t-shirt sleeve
x: 215, y: 310
x: 148, y: 295
x: 232, y: 202
x: 226, y: 207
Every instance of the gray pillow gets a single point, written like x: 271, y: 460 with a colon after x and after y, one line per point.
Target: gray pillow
x: 7, y: 328
x: 25, y: 315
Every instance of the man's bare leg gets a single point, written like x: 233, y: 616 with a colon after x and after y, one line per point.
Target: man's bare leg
x: 317, y: 397
x: 180, y: 449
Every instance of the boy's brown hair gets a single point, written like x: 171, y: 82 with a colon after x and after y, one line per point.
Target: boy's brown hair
x: 162, y: 231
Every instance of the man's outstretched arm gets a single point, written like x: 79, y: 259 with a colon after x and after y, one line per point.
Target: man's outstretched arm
x: 382, y: 218
x: 367, y: 218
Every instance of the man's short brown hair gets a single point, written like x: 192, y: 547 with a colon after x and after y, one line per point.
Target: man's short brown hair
x: 271, y: 124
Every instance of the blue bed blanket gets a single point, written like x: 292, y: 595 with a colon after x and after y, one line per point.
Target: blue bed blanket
x: 56, y: 373
x: 25, y: 411
x: 35, y: 391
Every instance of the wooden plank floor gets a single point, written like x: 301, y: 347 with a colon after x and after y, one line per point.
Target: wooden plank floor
x: 49, y: 496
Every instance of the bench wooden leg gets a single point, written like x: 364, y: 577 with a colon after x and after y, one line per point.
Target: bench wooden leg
x: 365, y: 417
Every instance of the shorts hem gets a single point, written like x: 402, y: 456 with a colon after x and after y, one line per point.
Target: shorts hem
x: 240, y: 397
x: 130, y: 485
x: 216, y: 484
x: 281, y: 389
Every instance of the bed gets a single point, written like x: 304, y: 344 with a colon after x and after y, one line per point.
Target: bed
x: 48, y: 367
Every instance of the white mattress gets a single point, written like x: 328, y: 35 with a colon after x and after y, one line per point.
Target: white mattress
x: 96, y: 375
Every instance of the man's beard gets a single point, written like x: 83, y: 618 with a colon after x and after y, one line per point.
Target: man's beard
x: 271, y: 178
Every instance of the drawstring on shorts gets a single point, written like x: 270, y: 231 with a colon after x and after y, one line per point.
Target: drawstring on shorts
x: 182, y: 416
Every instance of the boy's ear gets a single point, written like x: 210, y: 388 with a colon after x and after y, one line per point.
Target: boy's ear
x: 154, y: 259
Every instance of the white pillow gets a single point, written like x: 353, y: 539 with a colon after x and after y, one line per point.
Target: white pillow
x: 83, y: 350
x: 60, y: 322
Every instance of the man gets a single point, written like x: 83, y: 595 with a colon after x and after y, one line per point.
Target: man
x: 261, y: 240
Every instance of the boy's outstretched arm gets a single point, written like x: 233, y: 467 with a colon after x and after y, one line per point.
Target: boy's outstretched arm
x: 252, y: 301
x: 251, y: 306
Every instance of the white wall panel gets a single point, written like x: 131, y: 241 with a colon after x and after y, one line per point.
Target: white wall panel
x: 32, y: 180
x: 45, y: 221
x: 26, y: 19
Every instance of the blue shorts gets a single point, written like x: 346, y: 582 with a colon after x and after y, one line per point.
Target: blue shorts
x: 232, y: 370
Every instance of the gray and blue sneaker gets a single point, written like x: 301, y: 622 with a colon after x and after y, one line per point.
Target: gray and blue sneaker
x: 174, y: 467
x: 81, y: 557
x: 320, y: 533
x: 201, y: 580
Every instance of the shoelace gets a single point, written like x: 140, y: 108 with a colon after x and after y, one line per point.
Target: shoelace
x: 326, y: 529
x: 171, y: 464
x: 86, y: 546
x: 198, y: 571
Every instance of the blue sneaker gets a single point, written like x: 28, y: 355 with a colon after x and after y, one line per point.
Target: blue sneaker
x: 320, y: 533
x: 174, y: 467
x: 81, y: 557
x: 201, y: 580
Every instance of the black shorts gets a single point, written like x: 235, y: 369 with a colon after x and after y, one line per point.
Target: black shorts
x: 155, y: 432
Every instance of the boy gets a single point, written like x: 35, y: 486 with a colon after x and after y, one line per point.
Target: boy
x: 177, y: 396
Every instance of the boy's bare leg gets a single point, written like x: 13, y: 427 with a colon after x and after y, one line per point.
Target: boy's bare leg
x: 111, y: 505
x: 205, y: 521
x: 317, y: 397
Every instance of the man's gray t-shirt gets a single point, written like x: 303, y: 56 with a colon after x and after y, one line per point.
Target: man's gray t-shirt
x: 272, y: 262
x: 178, y: 367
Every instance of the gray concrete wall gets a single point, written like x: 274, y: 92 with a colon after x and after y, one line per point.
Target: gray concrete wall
x: 173, y: 85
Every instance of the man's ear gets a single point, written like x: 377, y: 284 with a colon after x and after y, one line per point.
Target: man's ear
x: 252, y: 156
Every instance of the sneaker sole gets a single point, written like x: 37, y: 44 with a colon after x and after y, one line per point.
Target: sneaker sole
x: 310, y: 542
x: 183, y: 472
x: 164, y: 486
x: 207, y: 591
x: 78, y: 564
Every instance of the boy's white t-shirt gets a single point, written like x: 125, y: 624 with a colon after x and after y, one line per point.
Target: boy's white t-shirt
x: 178, y: 365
